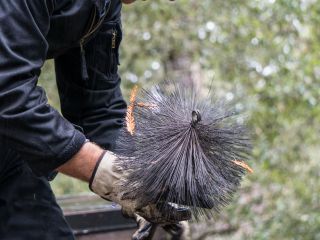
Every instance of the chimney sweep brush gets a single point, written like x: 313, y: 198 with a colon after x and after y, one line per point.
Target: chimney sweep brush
x: 181, y: 148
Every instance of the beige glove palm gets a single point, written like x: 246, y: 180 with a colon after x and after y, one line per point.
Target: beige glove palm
x: 104, y: 183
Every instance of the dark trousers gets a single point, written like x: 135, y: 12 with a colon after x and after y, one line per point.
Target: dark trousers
x: 28, y: 208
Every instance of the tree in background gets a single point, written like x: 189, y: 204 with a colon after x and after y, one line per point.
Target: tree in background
x: 265, y: 55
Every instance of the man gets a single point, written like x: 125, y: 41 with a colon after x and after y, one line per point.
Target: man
x: 83, y: 37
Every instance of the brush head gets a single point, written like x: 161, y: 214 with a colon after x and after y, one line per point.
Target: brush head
x: 184, y: 149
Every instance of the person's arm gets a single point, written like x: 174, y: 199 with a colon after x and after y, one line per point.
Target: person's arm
x: 27, y: 122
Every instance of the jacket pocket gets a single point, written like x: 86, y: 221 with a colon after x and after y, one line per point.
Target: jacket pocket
x: 102, y: 53
x: 113, y: 36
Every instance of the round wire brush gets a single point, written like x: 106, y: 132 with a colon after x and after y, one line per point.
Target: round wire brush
x: 179, y: 147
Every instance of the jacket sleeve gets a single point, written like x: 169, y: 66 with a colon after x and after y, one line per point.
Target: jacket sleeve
x: 31, y: 126
x: 96, y: 104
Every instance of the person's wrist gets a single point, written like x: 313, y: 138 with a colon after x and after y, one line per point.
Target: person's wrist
x: 91, y: 152
x: 82, y: 164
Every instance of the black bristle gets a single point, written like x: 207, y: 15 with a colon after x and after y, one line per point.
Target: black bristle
x: 183, y: 150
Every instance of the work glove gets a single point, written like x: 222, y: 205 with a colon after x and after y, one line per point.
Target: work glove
x: 105, y: 181
x: 146, y: 230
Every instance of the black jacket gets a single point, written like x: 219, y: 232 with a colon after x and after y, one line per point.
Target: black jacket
x: 32, y: 31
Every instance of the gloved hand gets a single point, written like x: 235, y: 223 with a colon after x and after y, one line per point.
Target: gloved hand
x: 146, y: 230
x: 104, y: 183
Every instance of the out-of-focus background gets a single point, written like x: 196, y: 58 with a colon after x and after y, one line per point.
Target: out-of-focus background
x: 263, y: 54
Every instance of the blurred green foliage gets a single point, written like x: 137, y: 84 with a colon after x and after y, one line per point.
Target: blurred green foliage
x: 265, y: 55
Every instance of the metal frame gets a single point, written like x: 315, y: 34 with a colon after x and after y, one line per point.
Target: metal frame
x: 88, y: 214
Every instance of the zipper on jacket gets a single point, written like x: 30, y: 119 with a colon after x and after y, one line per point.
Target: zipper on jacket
x: 114, y: 38
x: 113, y: 49
x: 92, y: 29
x: 84, y: 69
